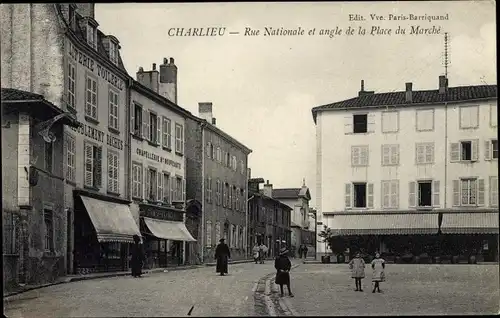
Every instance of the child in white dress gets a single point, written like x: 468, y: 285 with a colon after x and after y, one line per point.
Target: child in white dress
x: 378, y: 266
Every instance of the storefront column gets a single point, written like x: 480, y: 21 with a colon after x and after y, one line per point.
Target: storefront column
x: 24, y: 245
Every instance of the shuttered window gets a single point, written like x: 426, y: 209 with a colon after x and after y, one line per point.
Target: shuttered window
x: 179, y: 138
x: 425, y: 119
x: 91, y: 98
x: 93, y: 165
x: 390, y: 122
x: 424, y: 153
x: 166, y: 188
x: 70, y: 157
x: 71, y: 102
x: 390, y: 194
x: 359, y: 155
x: 137, y: 180
x: 209, y: 190
x: 494, y: 191
x: 469, y: 117
x: 467, y: 192
x: 218, y: 191
x: 390, y: 155
x: 167, y: 133
x: 113, y: 110
x: 465, y: 150
x: 113, y: 168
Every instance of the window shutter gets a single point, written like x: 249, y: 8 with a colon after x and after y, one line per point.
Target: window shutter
x: 369, y: 190
x: 117, y: 179
x: 385, y: 194
x: 494, y: 191
x: 364, y: 156
x: 89, y: 165
x: 159, y: 183
x: 237, y: 235
x: 395, y: 154
x: 456, y: 192
x: 148, y: 183
x: 429, y: 153
x: 371, y: 122
x: 395, y: 194
x: 487, y: 150
x: 145, y: 124
x: 158, y: 130
x: 66, y: 142
x: 98, y: 166
x: 348, y: 200
x: 475, y: 150
x: 132, y: 118
x: 480, y: 192
x: 420, y: 153
x: 412, y: 194
x: 435, y: 193
x: 454, y: 151
x: 183, y: 190
x: 355, y: 156
x: 348, y: 121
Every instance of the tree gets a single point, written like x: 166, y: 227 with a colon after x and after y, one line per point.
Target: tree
x: 337, y: 244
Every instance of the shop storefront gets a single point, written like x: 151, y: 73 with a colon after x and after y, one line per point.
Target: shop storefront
x: 104, y: 229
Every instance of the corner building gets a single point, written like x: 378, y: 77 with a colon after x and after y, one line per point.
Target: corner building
x: 416, y: 173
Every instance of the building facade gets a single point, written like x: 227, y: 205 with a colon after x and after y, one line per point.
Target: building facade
x: 418, y: 174
x: 269, y: 219
x: 222, y: 173
x: 158, y: 175
x: 302, y: 229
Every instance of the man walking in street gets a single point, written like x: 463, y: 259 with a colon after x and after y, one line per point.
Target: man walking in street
x: 263, y: 253
x: 222, y: 255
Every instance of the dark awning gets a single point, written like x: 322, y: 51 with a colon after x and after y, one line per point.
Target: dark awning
x: 470, y: 223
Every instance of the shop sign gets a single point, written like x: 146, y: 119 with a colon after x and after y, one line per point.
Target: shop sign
x: 160, y: 159
x: 99, y: 136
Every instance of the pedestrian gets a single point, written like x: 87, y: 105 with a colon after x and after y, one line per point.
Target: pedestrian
x: 222, y: 255
x: 283, y: 265
x: 263, y: 253
x: 305, y: 251
x: 300, y: 251
x: 378, y: 266
x: 137, y: 257
x: 256, y: 253
x: 357, y: 266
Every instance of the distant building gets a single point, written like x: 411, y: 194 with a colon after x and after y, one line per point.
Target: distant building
x: 217, y: 178
x: 411, y: 172
x: 302, y: 229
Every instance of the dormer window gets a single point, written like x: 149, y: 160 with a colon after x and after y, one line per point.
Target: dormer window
x: 113, y: 52
x: 91, y: 36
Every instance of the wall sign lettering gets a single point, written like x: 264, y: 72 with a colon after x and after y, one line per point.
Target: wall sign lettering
x: 160, y: 159
x: 97, y: 135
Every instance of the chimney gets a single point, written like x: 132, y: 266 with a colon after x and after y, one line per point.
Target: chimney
x: 268, y: 189
x: 205, y: 111
x: 408, y: 95
x: 148, y: 78
x: 86, y: 9
x: 213, y: 121
x: 443, y: 84
x: 168, y: 80
x: 362, y: 91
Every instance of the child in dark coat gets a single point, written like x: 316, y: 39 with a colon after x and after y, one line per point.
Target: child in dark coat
x: 283, y: 265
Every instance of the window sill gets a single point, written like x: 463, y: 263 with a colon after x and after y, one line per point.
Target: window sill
x: 91, y: 120
x: 113, y: 193
x: 138, y: 137
x: 167, y: 149
x: 359, y: 133
x: 391, y: 165
x: 179, y: 153
x: 359, y: 166
x: 424, y: 163
x: 91, y: 188
x: 137, y: 199
x: 154, y: 144
x: 424, y: 208
x: 425, y: 130
x: 114, y: 130
x: 72, y: 183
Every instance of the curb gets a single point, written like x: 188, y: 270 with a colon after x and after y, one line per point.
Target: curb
x: 232, y: 262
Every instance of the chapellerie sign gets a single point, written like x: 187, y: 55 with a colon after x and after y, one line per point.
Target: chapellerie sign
x: 160, y: 159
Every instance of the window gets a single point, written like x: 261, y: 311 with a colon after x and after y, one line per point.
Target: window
x: 390, y: 122
x: 151, y: 184
x: 93, y: 165
x: 390, y: 194
x: 469, y: 117
x: 219, y: 155
x: 425, y: 119
x: 214, y: 154
x: 209, y: 234
x: 243, y: 200
x: 217, y: 231
x: 113, y: 168
x: 493, y: 115
x: 71, y: 86
x: 468, y: 192
x: 424, y: 153
x: 209, y: 189
x: 359, y: 155
x: 237, y: 199
x: 390, y: 155
x: 218, y: 190
x: 491, y: 149
x: 49, y: 156
x: 91, y: 36
x: 424, y: 193
x: 154, y: 128
x: 494, y: 191
x: 226, y: 195
x: 70, y: 158
x: 167, y: 133
x: 359, y: 195
x: 136, y: 129
x: 234, y: 163
x: 242, y: 237
x: 91, y: 101
x: 178, y: 189
x: 230, y: 201
x: 113, y: 110
x: 137, y: 180
x: 360, y: 123
x: 179, y: 138
x: 113, y: 52
x: 49, y: 230
x: 9, y: 233
x: 227, y: 160
x: 242, y: 167
x: 465, y: 150
x: 166, y: 188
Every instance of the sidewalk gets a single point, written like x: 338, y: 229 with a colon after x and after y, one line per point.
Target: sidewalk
x: 75, y: 278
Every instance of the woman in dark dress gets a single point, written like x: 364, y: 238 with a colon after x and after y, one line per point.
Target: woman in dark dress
x: 283, y: 265
x: 222, y: 255
x: 137, y: 257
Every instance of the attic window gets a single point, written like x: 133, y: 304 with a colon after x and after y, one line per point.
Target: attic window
x: 113, y: 54
x: 91, y: 36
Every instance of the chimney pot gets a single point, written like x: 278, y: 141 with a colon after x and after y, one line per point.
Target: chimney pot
x: 154, y: 66
x: 408, y: 93
x: 141, y: 69
x: 213, y: 121
x: 362, y: 85
x: 165, y: 61
x: 443, y: 84
x: 171, y: 60
x: 408, y: 87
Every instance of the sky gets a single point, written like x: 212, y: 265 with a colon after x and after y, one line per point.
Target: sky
x: 264, y: 87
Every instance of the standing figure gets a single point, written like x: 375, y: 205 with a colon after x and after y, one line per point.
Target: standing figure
x: 263, y: 253
x: 222, y: 255
x: 378, y: 266
x: 357, y: 266
x: 256, y: 253
x: 305, y: 251
x: 283, y: 265
x: 137, y: 258
x: 300, y: 250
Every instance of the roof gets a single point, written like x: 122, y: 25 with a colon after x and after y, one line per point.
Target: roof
x: 258, y: 194
x: 291, y: 193
x: 11, y: 94
x: 221, y: 133
x: 454, y: 94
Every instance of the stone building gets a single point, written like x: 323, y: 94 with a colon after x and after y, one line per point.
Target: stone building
x: 34, y: 218
x: 218, y: 163
x: 158, y: 175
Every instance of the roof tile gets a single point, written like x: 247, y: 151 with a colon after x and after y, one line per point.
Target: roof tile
x: 11, y: 94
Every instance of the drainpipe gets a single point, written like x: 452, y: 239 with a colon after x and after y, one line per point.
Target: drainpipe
x: 247, y: 248
x: 446, y: 145
x: 202, y: 239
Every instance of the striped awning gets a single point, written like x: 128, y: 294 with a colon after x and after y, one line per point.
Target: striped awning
x: 385, y: 224
x: 113, y: 222
x: 470, y: 223
x: 169, y: 230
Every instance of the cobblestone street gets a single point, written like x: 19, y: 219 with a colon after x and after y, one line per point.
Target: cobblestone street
x: 409, y: 290
x: 162, y: 294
